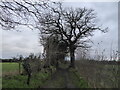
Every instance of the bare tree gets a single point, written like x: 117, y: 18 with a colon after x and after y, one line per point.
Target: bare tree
x: 72, y: 25
x: 15, y: 13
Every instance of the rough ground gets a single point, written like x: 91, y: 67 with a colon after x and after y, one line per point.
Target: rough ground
x: 62, y: 78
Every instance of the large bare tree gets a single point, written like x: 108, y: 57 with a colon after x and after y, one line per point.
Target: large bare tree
x: 72, y: 25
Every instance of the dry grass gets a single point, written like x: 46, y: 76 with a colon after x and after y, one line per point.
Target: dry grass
x: 10, y: 73
x: 98, y: 74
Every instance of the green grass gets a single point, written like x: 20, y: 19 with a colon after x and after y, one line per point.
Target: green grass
x: 7, y: 67
x: 19, y: 81
x: 37, y: 80
x: 10, y: 68
x: 12, y: 79
x: 77, y: 80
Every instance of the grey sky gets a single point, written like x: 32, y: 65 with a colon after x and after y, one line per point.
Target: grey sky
x: 25, y: 42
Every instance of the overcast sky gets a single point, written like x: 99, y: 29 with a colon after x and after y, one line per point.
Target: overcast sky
x: 26, y: 42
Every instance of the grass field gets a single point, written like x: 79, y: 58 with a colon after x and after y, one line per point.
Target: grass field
x: 19, y: 81
x: 12, y: 79
x: 10, y: 68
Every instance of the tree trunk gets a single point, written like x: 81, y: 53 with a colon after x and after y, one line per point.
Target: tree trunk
x: 72, y: 58
x: 28, y: 80
x: 57, y: 64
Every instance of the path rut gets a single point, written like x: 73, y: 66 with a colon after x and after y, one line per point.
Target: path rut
x: 62, y: 78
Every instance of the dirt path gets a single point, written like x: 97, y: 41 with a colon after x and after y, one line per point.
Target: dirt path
x: 62, y: 78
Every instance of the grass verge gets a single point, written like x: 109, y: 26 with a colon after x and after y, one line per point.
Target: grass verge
x: 77, y: 80
x: 19, y: 81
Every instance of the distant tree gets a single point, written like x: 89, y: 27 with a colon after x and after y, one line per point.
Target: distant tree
x: 82, y: 54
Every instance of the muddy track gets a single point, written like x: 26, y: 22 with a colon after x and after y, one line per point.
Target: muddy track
x: 60, y: 79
